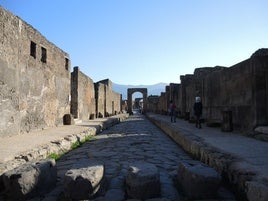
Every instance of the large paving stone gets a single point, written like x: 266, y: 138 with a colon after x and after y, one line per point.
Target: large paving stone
x: 115, y: 195
x: 198, y: 181
x: 143, y: 181
x: 257, y: 191
x: 31, y: 179
x: 84, y: 180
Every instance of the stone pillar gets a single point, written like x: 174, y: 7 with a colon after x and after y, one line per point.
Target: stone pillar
x: 74, y: 92
x: 129, y: 102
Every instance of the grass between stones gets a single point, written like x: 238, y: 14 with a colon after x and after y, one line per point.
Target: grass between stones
x: 78, y: 143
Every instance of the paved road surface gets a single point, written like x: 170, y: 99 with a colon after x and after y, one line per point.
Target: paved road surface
x: 135, y: 139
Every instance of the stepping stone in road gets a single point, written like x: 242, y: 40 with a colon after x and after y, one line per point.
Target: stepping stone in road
x: 198, y: 181
x: 143, y: 181
x: 84, y: 180
x: 31, y: 179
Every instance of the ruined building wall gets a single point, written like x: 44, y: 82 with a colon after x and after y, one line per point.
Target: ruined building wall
x: 234, y: 89
x: 34, y: 79
x: 167, y: 98
x: 186, y: 97
x: 240, y: 89
x: 153, y: 103
x: 113, y: 99
x: 215, y: 86
x: 174, y: 95
x: 161, y: 104
x: 124, y: 105
x: 259, y: 61
x: 82, y: 95
x: 179, y: 105
x: 208, y: 87
x: 229, y: 90
x: 194, y: 85
x: 115, y: 103
x: 108, y: 101
x: 100, y: 99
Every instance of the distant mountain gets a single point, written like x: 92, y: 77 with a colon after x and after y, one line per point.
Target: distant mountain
x: 155, y: 89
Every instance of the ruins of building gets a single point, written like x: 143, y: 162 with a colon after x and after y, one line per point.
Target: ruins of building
x: 124, y: 105
x: 152, y: 102
x: 239, y: 91
x: 108, y: 102
x: 130, y: 92
x: 37, y: 88
x: 91, y: 100
x: 34, y: 79
x: 82, y: 96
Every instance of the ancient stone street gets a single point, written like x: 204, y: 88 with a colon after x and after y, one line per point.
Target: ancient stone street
x: 133, y: 141
x: 64, y: 137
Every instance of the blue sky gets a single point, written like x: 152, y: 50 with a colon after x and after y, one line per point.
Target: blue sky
x: 148, y: 41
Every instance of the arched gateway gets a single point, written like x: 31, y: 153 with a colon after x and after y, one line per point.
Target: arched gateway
x: 130, y: 91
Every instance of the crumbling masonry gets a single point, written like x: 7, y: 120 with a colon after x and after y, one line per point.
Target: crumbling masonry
x: 36, y: 86
x: 234, y: 97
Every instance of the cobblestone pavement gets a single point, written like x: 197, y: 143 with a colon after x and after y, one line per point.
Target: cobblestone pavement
x: 135, y: 139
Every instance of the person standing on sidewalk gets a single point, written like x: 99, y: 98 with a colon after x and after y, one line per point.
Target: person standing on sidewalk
x: 198, y: 107
x: 172, y: 111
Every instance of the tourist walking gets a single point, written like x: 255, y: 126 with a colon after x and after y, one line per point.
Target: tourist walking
x: 172, y: 111
x: 198, y: 107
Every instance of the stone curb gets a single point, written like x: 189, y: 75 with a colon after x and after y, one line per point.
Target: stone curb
x: 239, y: 174
x: 61, y: 145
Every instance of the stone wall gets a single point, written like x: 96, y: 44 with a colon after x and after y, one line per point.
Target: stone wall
x: 34, y: 79
x: 153, y: 103
x: 108, y: 102
x: 82, y: 96
x: 124, y: 106
x: 36, y: 86
x: 100, y: 99
x: 113, y: 99
x: 240, y: 90
x: 163, y: 104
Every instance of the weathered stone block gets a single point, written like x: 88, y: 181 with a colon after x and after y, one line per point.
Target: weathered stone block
x: 261, y: 129
x: 84, y: 180
x: 257, y: 191
x: 198, y: 181
x: 31, y: 179
x: 143, y: 181
x: 92, y: 116
x: 68, y: 119
x: 107, y: 114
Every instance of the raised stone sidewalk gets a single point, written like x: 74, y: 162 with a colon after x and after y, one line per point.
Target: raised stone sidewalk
x: 241, y: 160
x: 17, y: 150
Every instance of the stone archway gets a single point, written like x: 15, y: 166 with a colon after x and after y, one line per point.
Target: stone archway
x: 130, y: 91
